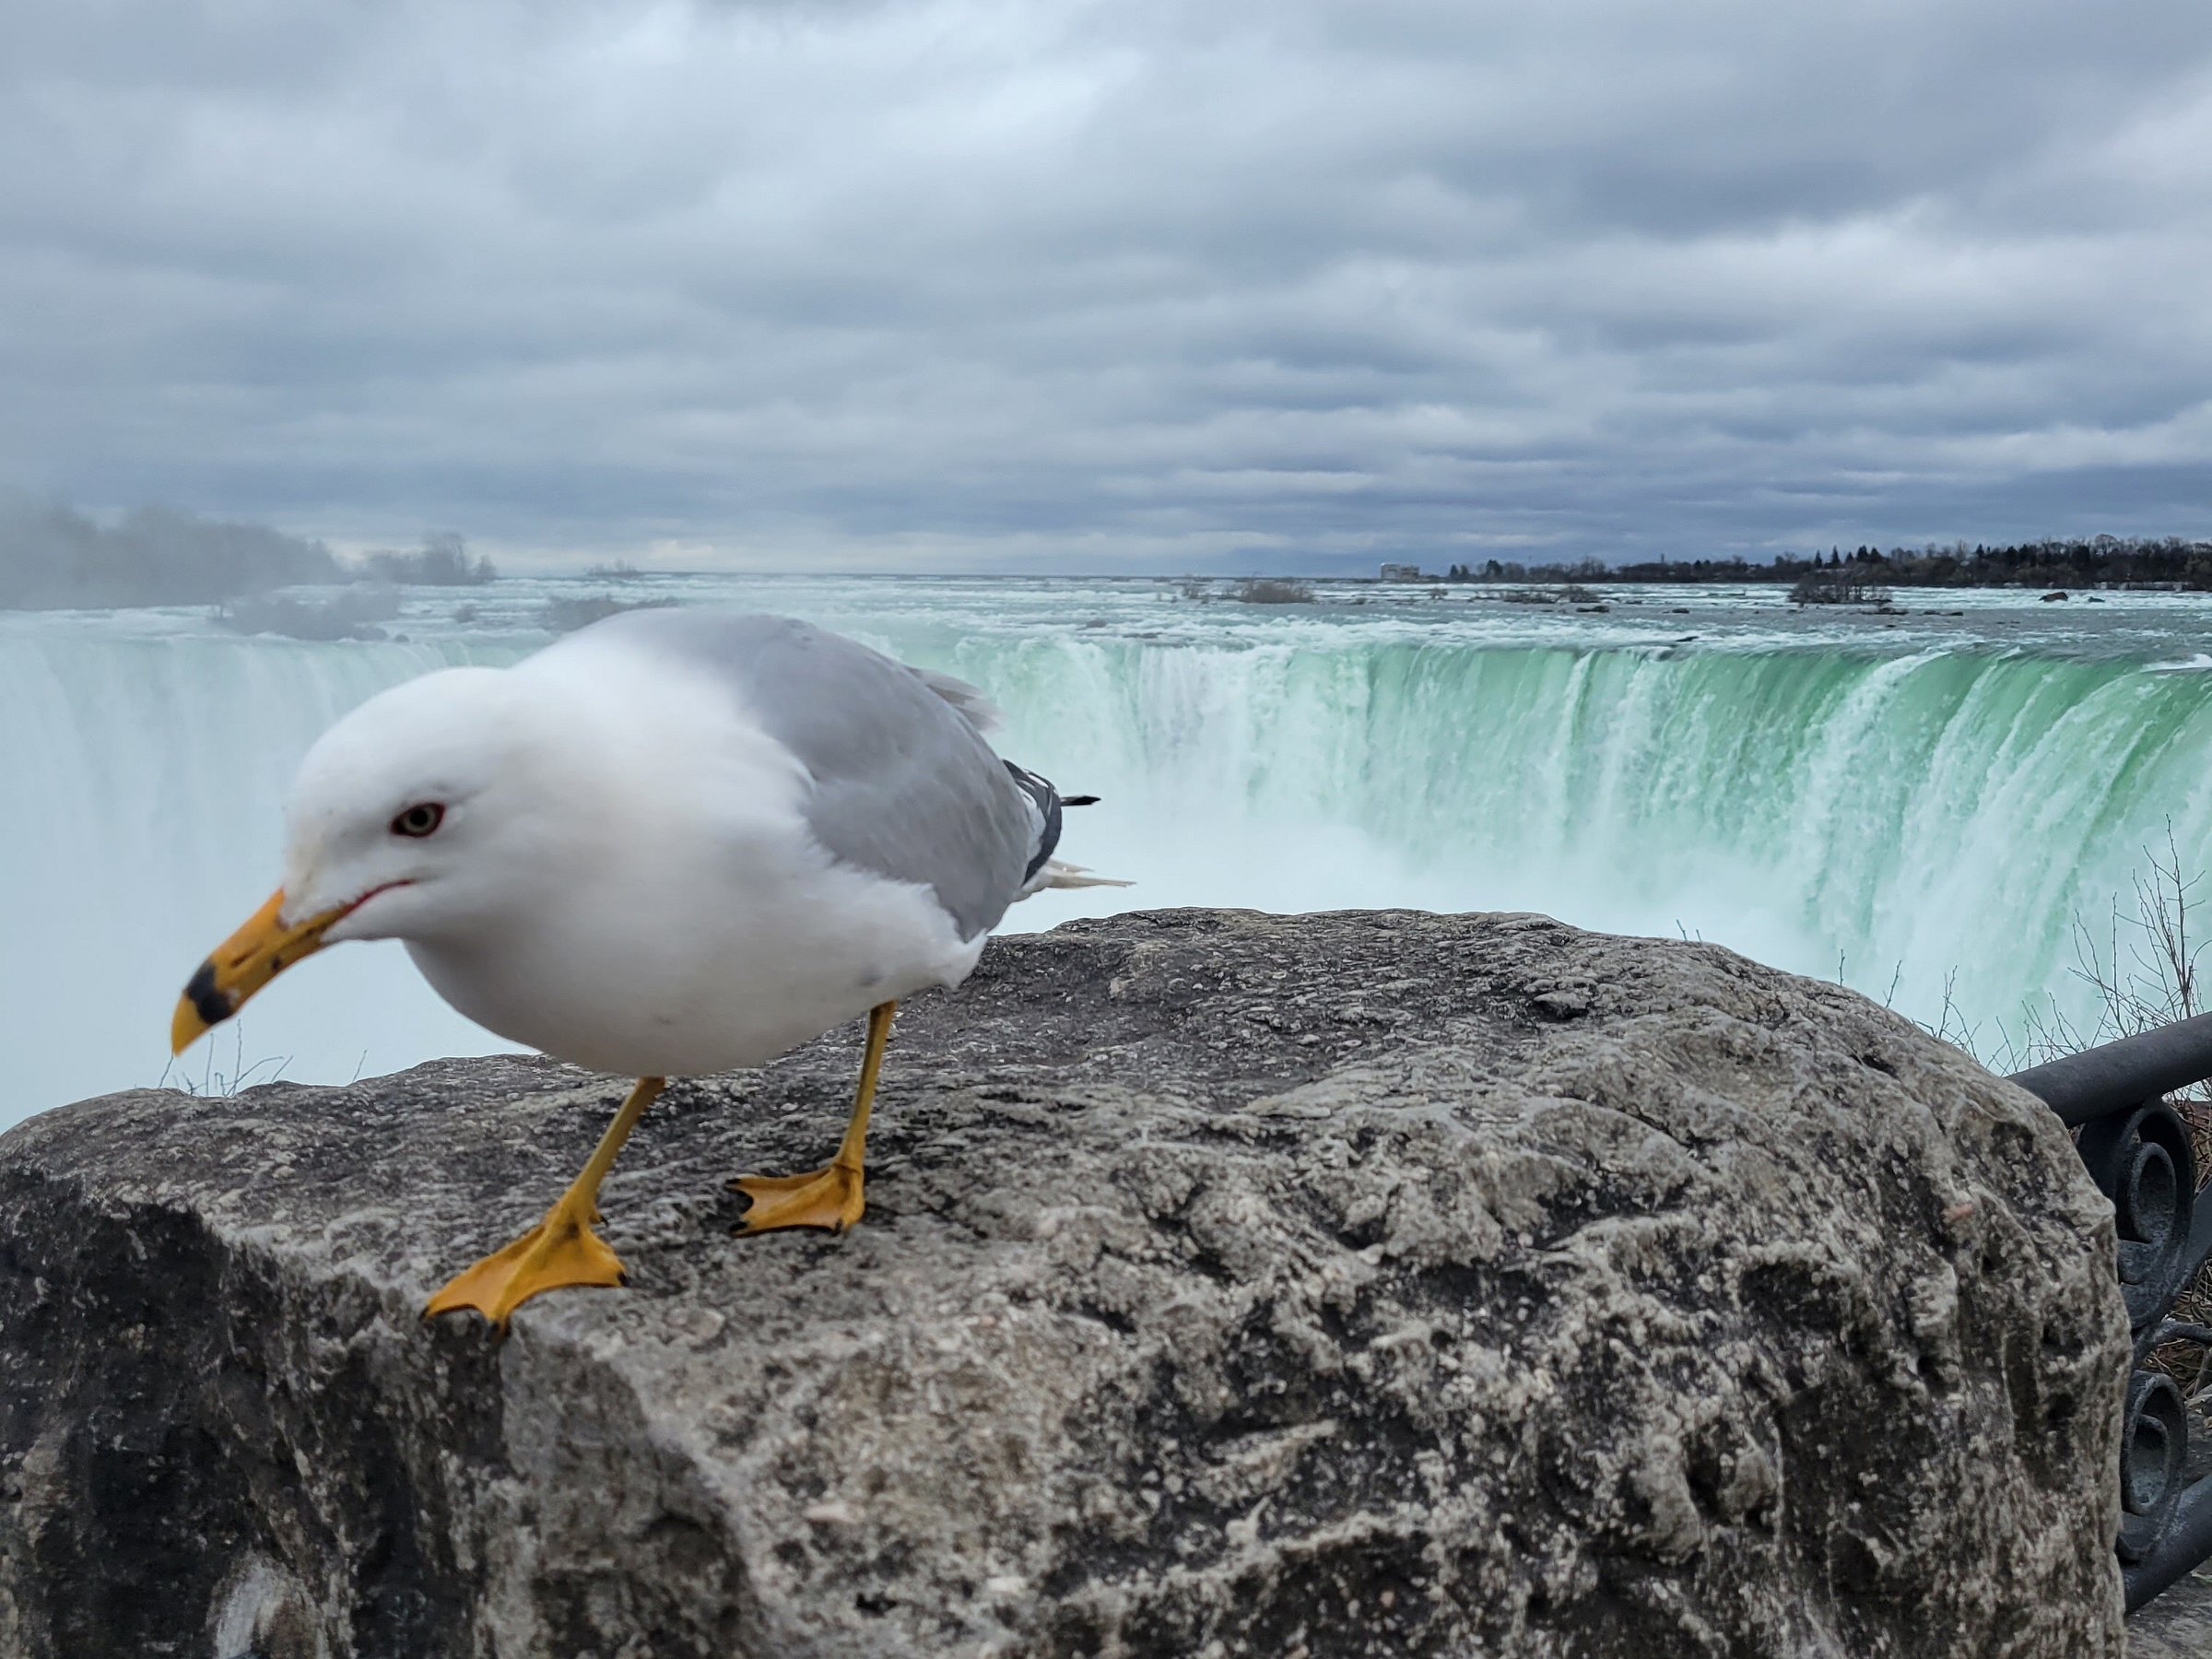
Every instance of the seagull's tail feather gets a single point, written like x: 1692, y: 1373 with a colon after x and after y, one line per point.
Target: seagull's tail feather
x: 1059, y: 873
x: 975, y: 707
x: 1044, y: 870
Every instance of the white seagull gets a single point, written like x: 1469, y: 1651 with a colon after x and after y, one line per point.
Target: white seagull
x: 672, y: 843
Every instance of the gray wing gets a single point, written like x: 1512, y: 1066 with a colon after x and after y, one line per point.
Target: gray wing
x: 904, y: 784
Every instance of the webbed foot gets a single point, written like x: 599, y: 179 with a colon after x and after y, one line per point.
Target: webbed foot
x: 559, y: 1251
x: 829, y: 1197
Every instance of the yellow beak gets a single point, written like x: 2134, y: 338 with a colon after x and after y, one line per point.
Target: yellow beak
x: 242, y: 965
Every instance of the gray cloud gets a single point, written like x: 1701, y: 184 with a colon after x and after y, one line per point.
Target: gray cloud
x: 983, y: 284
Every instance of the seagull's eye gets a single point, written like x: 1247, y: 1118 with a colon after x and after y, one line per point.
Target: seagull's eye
x: 419, y: 819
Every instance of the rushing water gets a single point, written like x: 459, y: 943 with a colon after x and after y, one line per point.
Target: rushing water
x: 1893, y: 798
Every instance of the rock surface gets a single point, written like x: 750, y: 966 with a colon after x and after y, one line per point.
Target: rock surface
x: 1364, y: 1284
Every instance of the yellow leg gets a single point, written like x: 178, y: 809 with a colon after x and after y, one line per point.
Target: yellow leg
x: 560, y: 1250
x: 827, y: 1197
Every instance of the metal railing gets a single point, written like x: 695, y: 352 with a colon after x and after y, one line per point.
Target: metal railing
x: 2138, y: 1149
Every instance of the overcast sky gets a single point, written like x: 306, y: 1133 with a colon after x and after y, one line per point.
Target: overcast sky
x: 971, y: 286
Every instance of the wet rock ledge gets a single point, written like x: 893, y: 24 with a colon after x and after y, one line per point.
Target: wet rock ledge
x: 1357, y: 1284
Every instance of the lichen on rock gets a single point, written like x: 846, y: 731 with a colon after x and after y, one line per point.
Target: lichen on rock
x: 1372, y: 1283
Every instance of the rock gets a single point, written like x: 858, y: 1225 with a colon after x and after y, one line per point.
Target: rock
x: 1360, y: 1284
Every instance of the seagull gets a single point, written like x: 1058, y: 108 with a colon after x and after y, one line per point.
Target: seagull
x: 676, y: 842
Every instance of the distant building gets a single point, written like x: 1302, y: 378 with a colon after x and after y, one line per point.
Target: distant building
x: 1401, y: 572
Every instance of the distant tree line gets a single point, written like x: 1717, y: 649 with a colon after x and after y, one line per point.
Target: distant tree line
x: 1856, y: 583
x: 2095, y: 561
x: 441, y: 561
x: 54, y: 558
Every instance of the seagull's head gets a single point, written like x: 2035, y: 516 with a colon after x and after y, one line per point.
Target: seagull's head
x: 409, y: 818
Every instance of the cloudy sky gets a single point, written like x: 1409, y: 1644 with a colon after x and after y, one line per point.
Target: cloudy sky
x: 1267, y: 285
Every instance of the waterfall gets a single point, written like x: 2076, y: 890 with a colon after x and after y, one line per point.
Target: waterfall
x: 1907, y: 814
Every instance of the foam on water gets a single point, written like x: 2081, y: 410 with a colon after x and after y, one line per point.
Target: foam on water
x: 1945, y: 795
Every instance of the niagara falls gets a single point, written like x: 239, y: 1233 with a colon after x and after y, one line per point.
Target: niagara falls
x: 1944, y: 800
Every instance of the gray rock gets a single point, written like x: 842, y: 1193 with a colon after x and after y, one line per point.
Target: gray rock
x: 1361, y: 1283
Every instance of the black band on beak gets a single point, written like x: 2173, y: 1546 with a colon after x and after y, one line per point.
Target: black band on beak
x: 210, y: 1003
